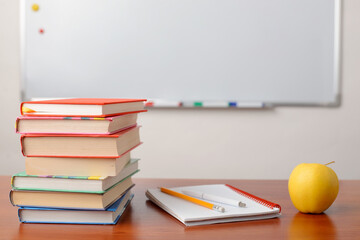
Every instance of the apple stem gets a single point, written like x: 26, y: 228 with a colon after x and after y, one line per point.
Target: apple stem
x: 329, y: 163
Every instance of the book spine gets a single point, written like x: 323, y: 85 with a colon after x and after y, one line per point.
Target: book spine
x: 263, y: 202
x: 22, y: 144
x: 12, y: 181
x: 21, y: 107
x: 11, y: 199
x: 19, y: 215
x: 16, y: 125
x: 124, y: 208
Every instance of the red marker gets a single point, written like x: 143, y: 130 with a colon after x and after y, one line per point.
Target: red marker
x: 149, y: 104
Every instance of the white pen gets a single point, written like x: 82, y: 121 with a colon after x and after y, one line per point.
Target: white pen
x: 211, y: 197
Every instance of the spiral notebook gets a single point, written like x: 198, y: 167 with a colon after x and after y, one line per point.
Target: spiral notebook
x: 191, y: 214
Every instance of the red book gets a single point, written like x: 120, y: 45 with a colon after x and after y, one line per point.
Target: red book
x: 82, y: 107
x: 74, y: 125
x: 96, y: 145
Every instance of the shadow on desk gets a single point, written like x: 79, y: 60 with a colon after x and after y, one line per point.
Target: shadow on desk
x: 311, y: 226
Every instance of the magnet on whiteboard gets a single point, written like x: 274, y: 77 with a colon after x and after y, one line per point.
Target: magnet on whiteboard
x: 35, y: 7
x: 41, y: 30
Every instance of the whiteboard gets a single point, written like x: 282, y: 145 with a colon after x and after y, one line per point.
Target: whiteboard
x: 277, y: 52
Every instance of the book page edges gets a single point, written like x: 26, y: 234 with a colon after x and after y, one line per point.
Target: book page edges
x: 87, y: 223
x: 77, y: 191
x: 82, y: 134
x: 67, y: 156
x: 86, y: 101
x: 115, y: 135
x: 100, y: 116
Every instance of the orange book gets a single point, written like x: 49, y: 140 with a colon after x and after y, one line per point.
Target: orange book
x: 82, y: 107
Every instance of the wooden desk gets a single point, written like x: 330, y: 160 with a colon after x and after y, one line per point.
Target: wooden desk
x: 143, y: 220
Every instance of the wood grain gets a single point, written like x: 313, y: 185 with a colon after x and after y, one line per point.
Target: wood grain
x: 144, y: 220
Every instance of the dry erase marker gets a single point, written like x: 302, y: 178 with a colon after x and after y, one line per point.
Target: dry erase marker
x: 193, y: 200
x: 215, y: 198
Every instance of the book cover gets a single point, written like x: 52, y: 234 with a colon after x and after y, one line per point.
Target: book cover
x: 108, y: 119
x: 87, y: 101
x: 24, y: 110
x: 130, y: 131
x: 68, y: 156
x: 88, y: 216
x: 127, y: 181
x: 123, y: 186
x: 89, y: 178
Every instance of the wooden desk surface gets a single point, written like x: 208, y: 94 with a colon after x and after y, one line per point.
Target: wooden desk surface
x: 143, y: 220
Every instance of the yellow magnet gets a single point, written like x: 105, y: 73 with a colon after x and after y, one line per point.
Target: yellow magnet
x: 35, y: 7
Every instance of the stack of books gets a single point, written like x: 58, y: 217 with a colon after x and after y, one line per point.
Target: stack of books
x: 78, y: 167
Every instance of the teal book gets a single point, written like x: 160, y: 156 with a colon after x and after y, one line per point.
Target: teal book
x: 71, y: 192
x: 70, y: 200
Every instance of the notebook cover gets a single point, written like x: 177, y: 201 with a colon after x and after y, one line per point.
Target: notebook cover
x: 23, y: 174
x: 84, y: 101
x: 111, y: 208
x: 71, y: 118
x: 115, y: 135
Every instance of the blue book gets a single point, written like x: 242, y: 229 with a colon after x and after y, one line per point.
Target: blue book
x: 110, y: 215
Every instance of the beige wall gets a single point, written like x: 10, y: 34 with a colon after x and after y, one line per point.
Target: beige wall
x: 245, y: 144
x: 11, y: 160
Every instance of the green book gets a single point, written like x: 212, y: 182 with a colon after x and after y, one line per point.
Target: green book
x: 85, y: 184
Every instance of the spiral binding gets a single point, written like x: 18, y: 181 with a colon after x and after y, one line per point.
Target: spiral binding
x: 261, y: 201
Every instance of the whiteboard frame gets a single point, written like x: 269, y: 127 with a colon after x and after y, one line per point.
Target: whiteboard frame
x: 336, y: 77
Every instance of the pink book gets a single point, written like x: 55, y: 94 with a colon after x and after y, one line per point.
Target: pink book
x: 75, y: 125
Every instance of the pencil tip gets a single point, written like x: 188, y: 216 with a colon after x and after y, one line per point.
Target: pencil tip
x: 27, y: 110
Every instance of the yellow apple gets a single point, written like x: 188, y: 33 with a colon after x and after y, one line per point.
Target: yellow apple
x: 313, y: 187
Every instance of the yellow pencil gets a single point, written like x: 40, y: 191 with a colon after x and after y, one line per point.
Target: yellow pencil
x: 193, y: 200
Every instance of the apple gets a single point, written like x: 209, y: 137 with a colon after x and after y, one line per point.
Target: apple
x: 313, y: 187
